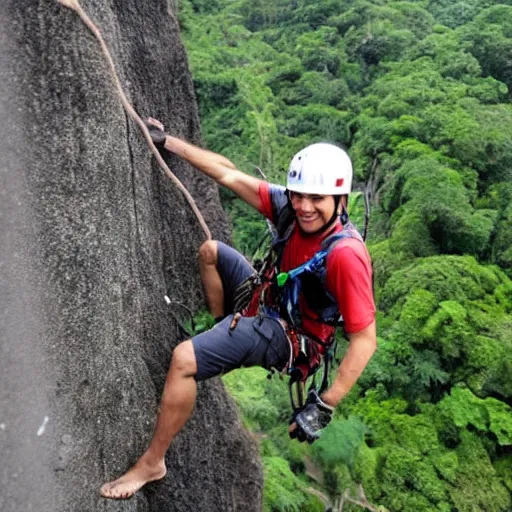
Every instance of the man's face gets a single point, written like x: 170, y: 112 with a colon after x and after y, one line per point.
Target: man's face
x: 313, y: 211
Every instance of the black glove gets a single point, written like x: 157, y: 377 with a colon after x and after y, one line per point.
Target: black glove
x: 157, y: 135
x: 311, y: 418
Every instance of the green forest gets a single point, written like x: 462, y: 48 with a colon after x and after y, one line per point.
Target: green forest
x: 419, y: 92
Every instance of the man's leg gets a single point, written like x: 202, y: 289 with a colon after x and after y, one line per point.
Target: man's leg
x: 223, y: 270
x: 176, y: 407
x: 210, y: 277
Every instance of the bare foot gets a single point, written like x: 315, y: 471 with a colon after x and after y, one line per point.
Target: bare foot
x: 138, y: 476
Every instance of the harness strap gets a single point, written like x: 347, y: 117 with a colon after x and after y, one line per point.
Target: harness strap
x: 244, y: 292
x: 306, y: 355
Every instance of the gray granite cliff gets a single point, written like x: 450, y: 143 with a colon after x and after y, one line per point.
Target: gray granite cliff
x: 92, y: 236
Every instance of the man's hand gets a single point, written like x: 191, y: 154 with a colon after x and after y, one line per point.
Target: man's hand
x: 308, y: 421
x: 157, y: 132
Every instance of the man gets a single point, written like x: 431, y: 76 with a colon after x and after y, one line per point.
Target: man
x: 319, y: 181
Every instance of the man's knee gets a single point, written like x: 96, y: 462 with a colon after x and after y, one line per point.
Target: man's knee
x: 208, y: 253
x: 184, y: 359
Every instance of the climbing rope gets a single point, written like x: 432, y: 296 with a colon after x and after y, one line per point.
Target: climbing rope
x: 73, y: 4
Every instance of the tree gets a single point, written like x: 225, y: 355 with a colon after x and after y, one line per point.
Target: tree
x: 490, y: 41
x: 421, y: 101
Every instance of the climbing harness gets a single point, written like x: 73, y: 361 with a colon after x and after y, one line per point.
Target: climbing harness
x: 74, y: 4
x: 277, y: 294
x: 310, y: 354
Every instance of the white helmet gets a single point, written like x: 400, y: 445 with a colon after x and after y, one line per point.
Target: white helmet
x: 320, y: 169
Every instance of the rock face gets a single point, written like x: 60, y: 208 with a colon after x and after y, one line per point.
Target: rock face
x: 92, y: 236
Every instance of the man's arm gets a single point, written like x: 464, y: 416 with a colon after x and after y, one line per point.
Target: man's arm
x: 316, y: 414
x: 219, y: 168
x: 361, y: 347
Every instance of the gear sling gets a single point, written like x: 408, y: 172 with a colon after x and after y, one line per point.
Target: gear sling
x: 277, y: 294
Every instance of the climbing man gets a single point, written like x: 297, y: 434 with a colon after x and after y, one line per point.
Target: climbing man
x: 283, y: 317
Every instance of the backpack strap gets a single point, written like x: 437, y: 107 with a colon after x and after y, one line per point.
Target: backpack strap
x: 284, y: 228
x: 291, y: 281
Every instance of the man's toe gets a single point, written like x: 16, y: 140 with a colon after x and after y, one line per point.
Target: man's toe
x: 106, y: 490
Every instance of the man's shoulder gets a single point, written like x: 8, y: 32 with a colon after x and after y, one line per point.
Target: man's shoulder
x: 279, y: 189
x: 272, y: 189
x: 346, y: 251
x: 281, y: 214
x: 278, y: 194
x: 273, y: 200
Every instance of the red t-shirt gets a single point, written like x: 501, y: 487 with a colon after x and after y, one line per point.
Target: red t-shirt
x: 348, y: 271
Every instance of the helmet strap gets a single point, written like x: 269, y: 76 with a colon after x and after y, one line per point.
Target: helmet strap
x: 344, y: 216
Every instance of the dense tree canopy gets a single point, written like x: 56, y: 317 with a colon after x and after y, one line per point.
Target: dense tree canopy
x: 419, y: 93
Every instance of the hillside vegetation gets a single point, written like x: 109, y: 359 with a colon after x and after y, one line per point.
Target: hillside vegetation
x: 419, y: 92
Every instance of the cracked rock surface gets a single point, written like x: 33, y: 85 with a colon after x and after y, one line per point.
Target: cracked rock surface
x: 92, y: 236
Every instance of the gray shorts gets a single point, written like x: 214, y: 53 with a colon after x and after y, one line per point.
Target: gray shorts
x: 255, y: 341
x: 233, y: 269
